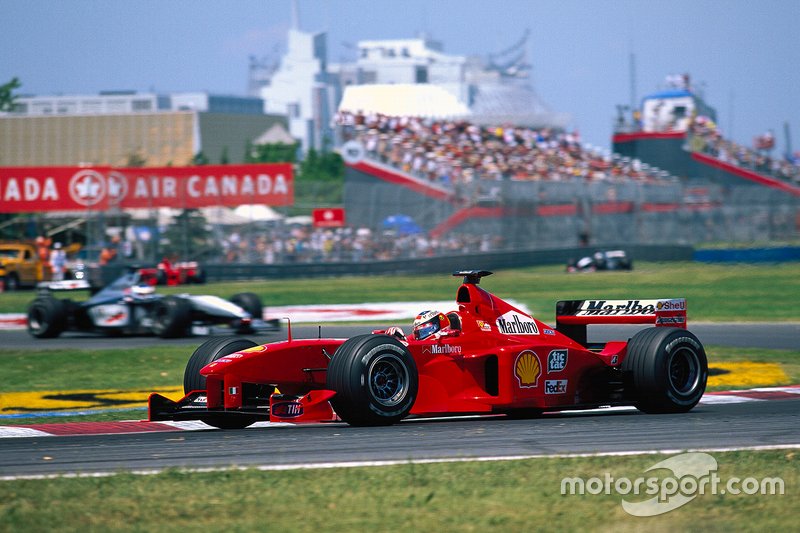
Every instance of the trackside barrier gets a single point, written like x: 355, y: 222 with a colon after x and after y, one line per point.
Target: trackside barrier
x: 749, y: 255
x: 428, y: 265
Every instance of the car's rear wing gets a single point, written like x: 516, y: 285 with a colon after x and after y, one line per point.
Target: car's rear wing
x: 572, y: 316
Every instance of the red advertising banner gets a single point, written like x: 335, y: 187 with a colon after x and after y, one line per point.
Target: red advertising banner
x: 32, y: 189
x: 328, y: 217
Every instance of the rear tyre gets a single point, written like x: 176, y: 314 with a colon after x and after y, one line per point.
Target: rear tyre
x: 172, y: 317
x: 667, y: 369
x: 206, y: 353
x: 199, y: 276
x: 47, y: 317
x: 375, y: 379
x: 250, y: 302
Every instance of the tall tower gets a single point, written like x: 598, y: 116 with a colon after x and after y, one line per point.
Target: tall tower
x: 299, y: 87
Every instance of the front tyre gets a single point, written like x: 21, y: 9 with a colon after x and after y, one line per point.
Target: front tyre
x: 668, y: 370
x: 375, y: 379
x: 206, y: 353
x: 250, y: 302
x: 172, y: 317
x: 47, y: 317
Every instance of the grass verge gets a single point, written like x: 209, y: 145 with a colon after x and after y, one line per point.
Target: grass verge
x: 714, y: 292
x: 477, y: 496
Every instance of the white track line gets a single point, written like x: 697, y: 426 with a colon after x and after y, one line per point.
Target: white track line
x: 368, y: 464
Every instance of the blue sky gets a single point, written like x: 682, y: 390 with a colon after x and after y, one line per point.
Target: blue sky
x: 745, y: 54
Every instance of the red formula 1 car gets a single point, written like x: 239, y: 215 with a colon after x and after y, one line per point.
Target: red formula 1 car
x: 493, y: 358
x: 168, y: 273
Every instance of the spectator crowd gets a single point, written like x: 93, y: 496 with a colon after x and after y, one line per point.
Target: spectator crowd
x: 705, y: 136
x: 453, y: 152
x: 306, y: 244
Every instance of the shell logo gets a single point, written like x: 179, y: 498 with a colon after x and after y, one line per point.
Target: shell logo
x: 527, y: 369
x: 260, y: 348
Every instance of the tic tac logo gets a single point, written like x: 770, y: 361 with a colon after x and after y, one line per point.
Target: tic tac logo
x: 556, y: 361
x: 87, y: 187
x: 513, y: 323
x: 527, y: 369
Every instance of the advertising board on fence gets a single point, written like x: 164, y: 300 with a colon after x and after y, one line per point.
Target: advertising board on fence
x: 328, y: 217
x: 35, y: 189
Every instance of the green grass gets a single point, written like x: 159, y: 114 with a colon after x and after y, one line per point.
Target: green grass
x: 719, y: 293
x: 499, y: 496
x: 112, y: 369
x: 506, y: 496
x: 163, y: 366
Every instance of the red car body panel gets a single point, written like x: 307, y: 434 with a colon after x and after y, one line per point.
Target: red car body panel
x: 499, y: 360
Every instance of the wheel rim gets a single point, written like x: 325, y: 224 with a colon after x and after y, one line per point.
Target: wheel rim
x: 36, y: 321
x: 388, y: 380
x: 161, y: 315
x: 684, y: 370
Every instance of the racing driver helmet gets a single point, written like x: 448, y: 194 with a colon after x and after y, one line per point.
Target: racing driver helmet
x: 429, y: 322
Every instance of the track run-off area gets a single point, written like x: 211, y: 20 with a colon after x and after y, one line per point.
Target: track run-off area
x: 760, y: 418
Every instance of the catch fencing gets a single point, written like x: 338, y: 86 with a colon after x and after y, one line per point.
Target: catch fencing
x: 530, y: 215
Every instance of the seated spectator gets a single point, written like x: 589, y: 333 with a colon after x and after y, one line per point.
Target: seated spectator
x: 451, y: 153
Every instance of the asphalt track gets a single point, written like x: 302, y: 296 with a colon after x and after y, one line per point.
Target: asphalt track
x: 784, y: 336
x: 708, y: 426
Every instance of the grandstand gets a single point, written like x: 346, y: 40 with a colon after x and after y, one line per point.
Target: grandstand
x: 677, y: 131
x: 522, y: 187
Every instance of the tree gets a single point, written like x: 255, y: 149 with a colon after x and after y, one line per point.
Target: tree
x: 200, y: 158
x: 6, y: 94
x: 271, y: 153
x: 320, y: 176
x: 320, y: 180
x: 136, y: 160
x: 188, y: 234
x: 326, y: 166
x: 224, y: 159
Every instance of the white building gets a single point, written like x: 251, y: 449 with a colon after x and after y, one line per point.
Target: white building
x: 411, y: 61
x: 122, y: 102
x: 417, y: 71
x: 299, y: 89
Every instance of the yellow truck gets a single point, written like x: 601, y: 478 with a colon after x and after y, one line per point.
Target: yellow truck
x: 20, y: 266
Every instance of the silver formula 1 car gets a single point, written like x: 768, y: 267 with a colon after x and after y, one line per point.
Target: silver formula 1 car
x: 130, y: 306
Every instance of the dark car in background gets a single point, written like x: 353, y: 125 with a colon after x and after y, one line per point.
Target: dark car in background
x: 601, y: 260
x: 131, y: 306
